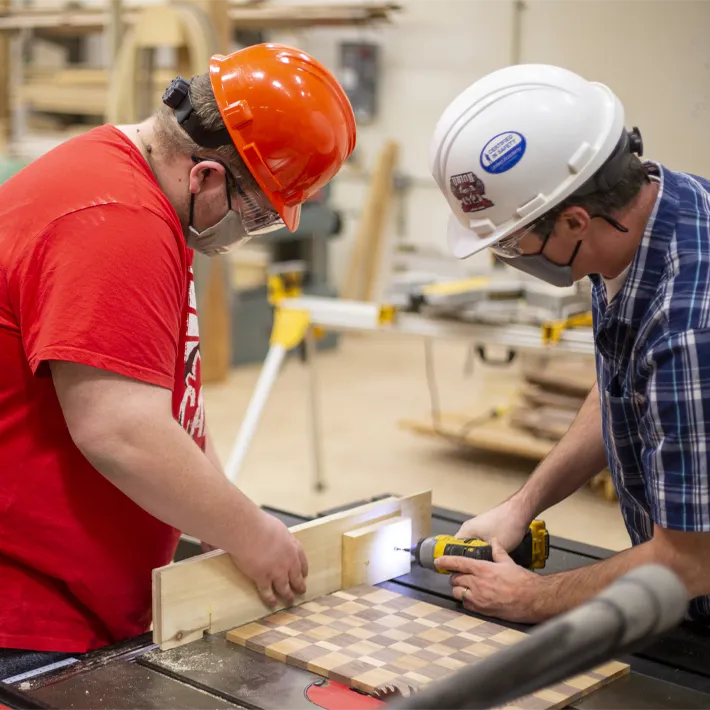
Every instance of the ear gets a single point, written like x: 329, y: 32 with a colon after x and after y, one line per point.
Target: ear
x: 205, y: 175
x: 573, y: 224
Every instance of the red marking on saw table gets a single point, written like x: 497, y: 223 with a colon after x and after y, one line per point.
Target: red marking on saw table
x: 335, y: 696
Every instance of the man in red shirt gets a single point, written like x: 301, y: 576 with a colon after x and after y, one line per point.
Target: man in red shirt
x: 104, y: 457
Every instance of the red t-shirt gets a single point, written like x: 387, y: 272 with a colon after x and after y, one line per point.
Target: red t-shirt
x: 93, y: 269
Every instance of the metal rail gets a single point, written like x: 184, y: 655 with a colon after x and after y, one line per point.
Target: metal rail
x: 301, y: 314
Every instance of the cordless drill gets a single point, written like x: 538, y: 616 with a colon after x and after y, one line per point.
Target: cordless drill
x: 531, y: 553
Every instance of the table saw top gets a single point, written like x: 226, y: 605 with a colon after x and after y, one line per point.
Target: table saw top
x: 212, y: 673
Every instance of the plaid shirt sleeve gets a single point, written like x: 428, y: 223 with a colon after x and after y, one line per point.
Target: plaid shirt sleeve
x: 675, y: 430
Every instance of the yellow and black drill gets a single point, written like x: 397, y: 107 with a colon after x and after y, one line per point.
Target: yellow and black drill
x: 531, y: 553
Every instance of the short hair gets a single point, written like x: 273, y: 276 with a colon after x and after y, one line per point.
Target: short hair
x: 600, y: 202
x: 177, y: 142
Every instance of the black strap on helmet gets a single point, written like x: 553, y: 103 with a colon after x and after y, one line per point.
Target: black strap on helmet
x: 177, y: 97
x: 612, y: 172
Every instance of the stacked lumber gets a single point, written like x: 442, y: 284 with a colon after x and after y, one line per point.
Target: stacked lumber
x: 77, y: 90
x: 552, y: 394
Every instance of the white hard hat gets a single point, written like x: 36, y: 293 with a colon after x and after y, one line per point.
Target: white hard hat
x: 515, y: 144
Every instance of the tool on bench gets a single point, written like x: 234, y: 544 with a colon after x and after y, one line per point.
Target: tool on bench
x: 531, y: 553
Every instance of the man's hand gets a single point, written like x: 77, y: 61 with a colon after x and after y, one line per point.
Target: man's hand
x: 508, y: 523
x: 501, y: 588
x: 274, y: 560
x: 504, y: 590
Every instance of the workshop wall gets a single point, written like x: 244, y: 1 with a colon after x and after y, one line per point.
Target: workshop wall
x: 653, y: 53
x: 433, y: 50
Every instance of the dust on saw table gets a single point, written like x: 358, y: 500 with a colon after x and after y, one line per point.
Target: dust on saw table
x: 370, y: 638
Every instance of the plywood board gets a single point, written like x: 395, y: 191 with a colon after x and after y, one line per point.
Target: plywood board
x: 208, y: 593
x: 370, y: 554
x: 367, y: 638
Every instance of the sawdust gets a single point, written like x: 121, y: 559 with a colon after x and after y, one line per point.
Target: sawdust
x: 193, y: 662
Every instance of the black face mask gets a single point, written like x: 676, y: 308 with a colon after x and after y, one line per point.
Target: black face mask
x: 541, y: 267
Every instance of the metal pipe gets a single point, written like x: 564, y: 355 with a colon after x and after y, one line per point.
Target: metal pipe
x: 267, y: 378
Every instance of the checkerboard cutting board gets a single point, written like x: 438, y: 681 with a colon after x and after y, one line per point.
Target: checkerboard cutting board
x: 367, y: 638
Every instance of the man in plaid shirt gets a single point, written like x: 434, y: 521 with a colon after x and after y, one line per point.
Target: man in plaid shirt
x: 571, y: 199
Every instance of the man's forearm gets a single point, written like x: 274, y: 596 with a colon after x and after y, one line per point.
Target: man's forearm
x: 156, y: 464
x: 559, y: 593
x: 686, y: 553
x: 211, y: 453
x: 578, y: 457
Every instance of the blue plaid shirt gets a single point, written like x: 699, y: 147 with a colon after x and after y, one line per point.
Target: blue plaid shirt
x: 653, y: 369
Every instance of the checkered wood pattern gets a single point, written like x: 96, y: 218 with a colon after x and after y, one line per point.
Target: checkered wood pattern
x: 367, y: 637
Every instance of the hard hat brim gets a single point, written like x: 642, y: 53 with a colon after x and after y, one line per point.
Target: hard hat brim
x: 465, y: 242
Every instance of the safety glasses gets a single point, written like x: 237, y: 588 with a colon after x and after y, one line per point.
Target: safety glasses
x: 509, y: 246
x: 256, y: 213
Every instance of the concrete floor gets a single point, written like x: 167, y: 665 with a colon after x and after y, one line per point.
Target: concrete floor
x: 366, y: 386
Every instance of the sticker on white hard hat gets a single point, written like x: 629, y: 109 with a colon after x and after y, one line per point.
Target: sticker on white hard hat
x: 503, y: 152
x: 470, y: 191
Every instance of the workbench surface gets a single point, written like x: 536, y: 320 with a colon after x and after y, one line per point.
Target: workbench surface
x: 213, y: 673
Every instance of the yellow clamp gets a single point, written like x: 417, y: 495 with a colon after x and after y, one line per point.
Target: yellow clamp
x: 280, y: 286
x: 290, y: 326
x: 387, y: 315
x: 552, y: 330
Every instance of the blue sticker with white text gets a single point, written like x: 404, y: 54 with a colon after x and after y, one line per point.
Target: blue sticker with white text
x: 503, y: 152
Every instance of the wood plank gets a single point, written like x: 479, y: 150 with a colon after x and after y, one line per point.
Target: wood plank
x: 363, y: 266
x: 575, y: 384
x: 71, y: 20
x: 208, y: 592
x: 417, y: 508
x: 496, y: 436
x: 369, y: 554
x: 538, y: 396
x: 81, y: 99
x: 544, y: 422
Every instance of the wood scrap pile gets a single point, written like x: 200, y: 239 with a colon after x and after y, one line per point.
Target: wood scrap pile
x: 552, y: 394
x: 541, y: 412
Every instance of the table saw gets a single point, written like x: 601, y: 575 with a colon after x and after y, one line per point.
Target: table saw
x: 213, y: 673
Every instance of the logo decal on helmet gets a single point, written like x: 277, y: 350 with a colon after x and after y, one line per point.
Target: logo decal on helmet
x: 503, y: 152
x: 470, y: 191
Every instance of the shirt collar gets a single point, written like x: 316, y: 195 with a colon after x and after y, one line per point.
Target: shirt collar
x: 650, y: 260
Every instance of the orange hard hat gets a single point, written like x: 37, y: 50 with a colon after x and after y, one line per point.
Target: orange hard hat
x: 288, y: 117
